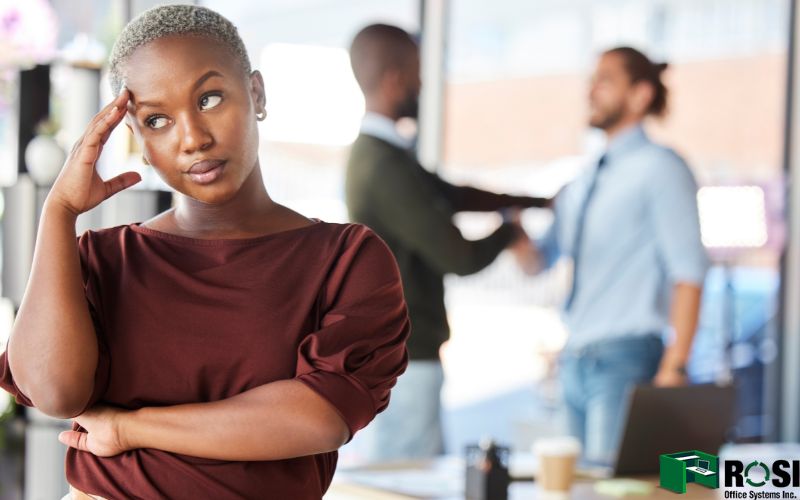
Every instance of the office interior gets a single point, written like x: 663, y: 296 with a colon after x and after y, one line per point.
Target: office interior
x: 503, y: 107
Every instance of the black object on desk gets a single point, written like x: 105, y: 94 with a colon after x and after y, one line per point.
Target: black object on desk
x: 665, y: 420
x: 487, y: 471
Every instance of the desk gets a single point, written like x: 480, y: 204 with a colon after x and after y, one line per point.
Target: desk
x: 677, y: 472
x: 443, y: 479
x: 702, y: 472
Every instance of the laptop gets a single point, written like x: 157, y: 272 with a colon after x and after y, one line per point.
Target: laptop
x: 669, y: 420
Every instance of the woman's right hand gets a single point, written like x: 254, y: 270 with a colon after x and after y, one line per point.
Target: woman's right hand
x: 78, y: 187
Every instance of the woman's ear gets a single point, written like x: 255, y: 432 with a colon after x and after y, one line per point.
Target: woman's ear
x: 257, y: 93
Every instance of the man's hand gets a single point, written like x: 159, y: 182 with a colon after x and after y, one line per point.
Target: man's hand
x: 103, y: 436
x: 527, y: 256
x: 524, y: 251
x: 670, y: 377
x: 684, y: 314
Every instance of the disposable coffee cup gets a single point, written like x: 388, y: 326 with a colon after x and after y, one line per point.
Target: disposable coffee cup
x: 556, y: 457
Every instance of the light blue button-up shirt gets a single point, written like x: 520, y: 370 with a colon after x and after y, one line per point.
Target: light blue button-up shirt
x: 641, y: 235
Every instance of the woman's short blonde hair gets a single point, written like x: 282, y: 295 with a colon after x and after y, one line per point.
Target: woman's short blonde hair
x: 173, y: 20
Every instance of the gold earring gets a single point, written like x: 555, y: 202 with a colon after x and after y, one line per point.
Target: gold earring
x: 261, y: 115
x: 144, y: 160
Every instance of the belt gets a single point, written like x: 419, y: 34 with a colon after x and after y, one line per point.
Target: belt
x: 602, y: 344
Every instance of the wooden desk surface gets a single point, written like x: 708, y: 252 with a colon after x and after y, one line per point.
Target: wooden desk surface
x: 390, y: 481
x: 518, y: 491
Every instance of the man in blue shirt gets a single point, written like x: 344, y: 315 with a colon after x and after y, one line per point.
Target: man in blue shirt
x: 630, y: 225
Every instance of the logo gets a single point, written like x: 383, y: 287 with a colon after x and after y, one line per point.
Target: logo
x: 693, y: 466
x: 781, y: 474
x: 755, y: 463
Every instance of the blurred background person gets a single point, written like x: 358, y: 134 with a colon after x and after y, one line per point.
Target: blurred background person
x: 630, y: 225
x: 412, y: 209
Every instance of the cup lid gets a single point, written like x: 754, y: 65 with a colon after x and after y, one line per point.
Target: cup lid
x: 560, y: 446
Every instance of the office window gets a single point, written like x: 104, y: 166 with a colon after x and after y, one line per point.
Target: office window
x: 515, y: 121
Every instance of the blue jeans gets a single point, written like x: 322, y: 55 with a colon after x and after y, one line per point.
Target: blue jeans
x: 596, y: 380
x: 411, y: 427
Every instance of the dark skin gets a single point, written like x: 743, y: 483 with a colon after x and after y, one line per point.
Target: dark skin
x: 200, y: 108
x: 182, y: 129
x: 396, y: 85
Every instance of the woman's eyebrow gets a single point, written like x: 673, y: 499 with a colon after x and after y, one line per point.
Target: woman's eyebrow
x: 152, y: 104
x: 145, y: 104
x: 206, y: 76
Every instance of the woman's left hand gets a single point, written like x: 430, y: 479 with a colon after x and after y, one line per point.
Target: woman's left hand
x: 102, y: 436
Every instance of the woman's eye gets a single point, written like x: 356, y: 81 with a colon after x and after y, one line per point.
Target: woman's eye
x: 210, y: 101
x: 156, y: 121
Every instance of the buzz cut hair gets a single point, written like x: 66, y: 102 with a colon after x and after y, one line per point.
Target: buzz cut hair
x: 376, y: 49
x: 173, y: 20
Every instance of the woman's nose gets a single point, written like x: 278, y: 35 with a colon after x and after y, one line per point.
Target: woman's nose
x: 195, y: 135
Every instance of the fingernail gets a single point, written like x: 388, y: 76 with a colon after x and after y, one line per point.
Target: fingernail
x: 113, y: 111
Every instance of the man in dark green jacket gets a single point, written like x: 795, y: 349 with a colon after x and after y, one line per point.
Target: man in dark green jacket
x: 412, y: 210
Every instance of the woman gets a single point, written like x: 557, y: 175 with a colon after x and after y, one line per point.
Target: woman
x: 228, y: 346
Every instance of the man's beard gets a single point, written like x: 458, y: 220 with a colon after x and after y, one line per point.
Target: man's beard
x: 607, y: 120
x: 409, y: 107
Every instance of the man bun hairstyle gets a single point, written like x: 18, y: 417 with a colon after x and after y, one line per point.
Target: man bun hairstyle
x: 641, y: 69
x: 173, y: 20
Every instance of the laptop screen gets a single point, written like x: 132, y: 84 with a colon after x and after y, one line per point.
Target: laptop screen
x: 686, y: 418
x: 703, y: 464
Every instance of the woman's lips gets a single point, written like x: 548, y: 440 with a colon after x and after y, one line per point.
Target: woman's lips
x: 206, y: 171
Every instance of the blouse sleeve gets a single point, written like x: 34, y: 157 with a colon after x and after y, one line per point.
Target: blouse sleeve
x: 359, y: 350
x: 7, y: 383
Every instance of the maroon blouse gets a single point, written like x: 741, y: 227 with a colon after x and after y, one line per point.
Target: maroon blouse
x: 183, y: 320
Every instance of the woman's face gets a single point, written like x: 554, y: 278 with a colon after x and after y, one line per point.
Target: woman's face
x: 193, y: 112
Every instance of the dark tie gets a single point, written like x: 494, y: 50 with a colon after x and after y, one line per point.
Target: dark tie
x: 576, y: 247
